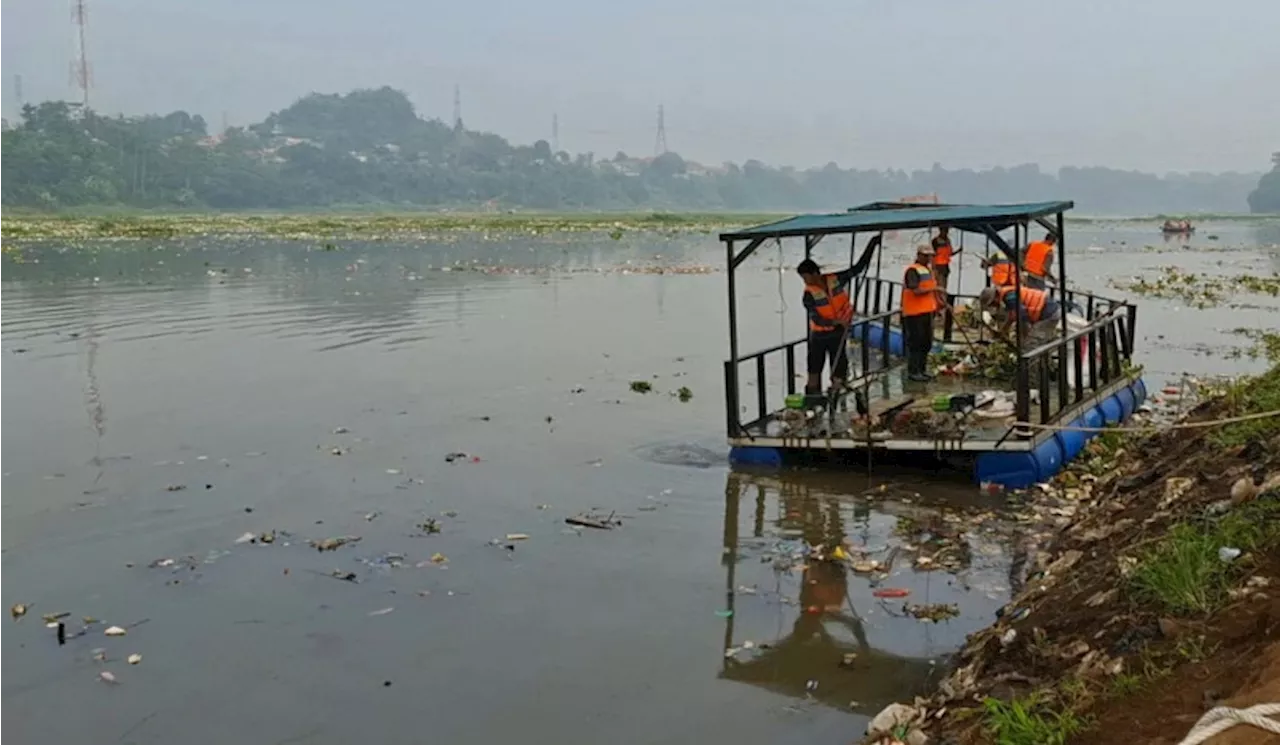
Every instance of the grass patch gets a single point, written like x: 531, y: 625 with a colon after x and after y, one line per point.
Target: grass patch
x: 1183, y: 574
x: 1126, y: 684
x: 1251, y: 396
x: 1030, y: 721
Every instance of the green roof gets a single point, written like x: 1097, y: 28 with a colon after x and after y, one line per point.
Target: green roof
x: 892, y: 216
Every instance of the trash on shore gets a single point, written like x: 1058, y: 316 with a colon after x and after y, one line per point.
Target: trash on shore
x: 333, y: 544
x: 1228, y: 554
x: 897, y: 723
x: 115, y: 631
x: 589, y: 520
x: 135, y: 658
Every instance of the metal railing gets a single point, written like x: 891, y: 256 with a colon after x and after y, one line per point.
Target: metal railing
x: 1076, y: 366
x: 860, y: 330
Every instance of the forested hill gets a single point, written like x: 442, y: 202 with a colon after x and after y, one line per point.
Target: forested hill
x: 371, y: 147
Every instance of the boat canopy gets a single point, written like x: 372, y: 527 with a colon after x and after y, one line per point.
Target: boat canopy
x: 878, y: 216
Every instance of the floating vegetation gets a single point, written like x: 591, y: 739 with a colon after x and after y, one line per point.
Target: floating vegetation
x: 1200, y: 290
x: 318, y: 228
x: 641, y: 386
x: 684, y: 394
x: 1263, y: 344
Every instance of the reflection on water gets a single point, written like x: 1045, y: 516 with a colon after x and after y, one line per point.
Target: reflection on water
x: 812, y: 629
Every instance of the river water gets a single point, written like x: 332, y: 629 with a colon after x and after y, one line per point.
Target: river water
x: 163, y: 399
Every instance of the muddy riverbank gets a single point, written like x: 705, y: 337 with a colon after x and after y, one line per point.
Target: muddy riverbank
x: 1155, y: 596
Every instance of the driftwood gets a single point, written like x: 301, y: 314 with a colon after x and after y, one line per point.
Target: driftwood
x: 591, y: 521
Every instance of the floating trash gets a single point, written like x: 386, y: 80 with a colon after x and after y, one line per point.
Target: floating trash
x: 933, y: 612
x: 115, y: 631
x: 891, y: 592
x: 381, y: 612
x: 333, y: 544
x: 107, y: 677
x: 135, y: 659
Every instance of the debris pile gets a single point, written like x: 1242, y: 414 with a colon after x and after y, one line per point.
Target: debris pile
x: 1160, y: 556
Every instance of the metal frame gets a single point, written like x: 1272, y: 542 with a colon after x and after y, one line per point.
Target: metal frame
x: 1109, y: 335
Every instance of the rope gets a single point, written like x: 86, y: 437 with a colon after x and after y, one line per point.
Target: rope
x: 1153, y: 430
x: 1224, y: 718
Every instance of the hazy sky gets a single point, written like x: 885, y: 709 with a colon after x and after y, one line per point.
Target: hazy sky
x: 1155, y: 85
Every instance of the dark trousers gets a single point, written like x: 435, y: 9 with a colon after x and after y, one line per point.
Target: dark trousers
x: 917, y: 334
x: 828, y: 346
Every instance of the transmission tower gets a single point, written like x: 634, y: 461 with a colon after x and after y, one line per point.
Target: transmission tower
x: 555, y: 133
x: 80, y: 66
x: 660, y: 143
x: 457, y: 107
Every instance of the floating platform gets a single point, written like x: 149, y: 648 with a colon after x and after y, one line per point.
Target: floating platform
x: 987, y: 447
x: 1017, y: 432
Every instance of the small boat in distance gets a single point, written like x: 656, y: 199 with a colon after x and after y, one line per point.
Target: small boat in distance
x: 1177, y: 226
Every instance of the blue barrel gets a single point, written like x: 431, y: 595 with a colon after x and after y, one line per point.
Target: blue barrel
x: 1048, y: 457
x: 1092, y: 419
x: 1127, y: 405
x: 1012, y: 470
x: 756, y: 456
x: 1071, y: 441
x: 1139, y: 387
x: 875, y: 333
x: 1112, y: 411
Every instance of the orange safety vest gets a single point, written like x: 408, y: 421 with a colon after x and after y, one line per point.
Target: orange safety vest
x: 1036, y: 262
x: 941, y: 251
x: 830, y: 303
x: 1032, y: 299
x: 1002, y: 273
x: 918, y: 305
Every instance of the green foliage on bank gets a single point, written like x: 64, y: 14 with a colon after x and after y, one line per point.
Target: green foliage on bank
x: 372, y: 148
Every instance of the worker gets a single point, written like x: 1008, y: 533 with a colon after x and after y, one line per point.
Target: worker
x: 921, y: 298
x: 830, y: 312
x: 1000, y: 270
x: 942, y: 253
x: 1040, y: 314
x: 1038, y: 262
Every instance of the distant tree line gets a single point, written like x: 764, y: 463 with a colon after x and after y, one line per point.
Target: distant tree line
x: 1266, y: 198
x: 371, y: 147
